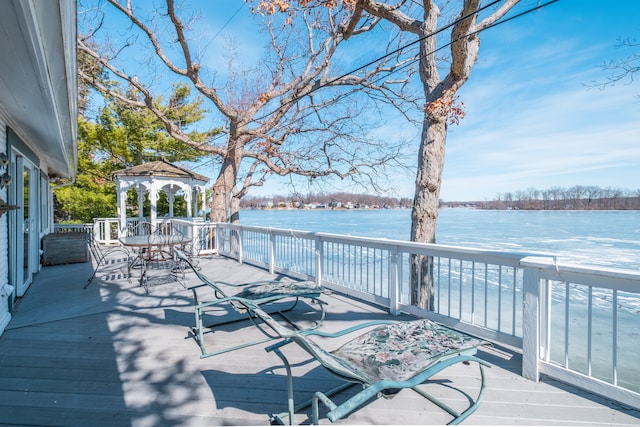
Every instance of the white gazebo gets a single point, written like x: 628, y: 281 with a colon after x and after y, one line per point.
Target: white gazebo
x: 154, y: 177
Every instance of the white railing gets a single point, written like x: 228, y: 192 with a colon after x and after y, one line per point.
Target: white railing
x: 202, y: 234
x: 483, y: 289
x: 106, y: 231
x: 72, y: 228
x: 575, y: 323
x: 584, y: 327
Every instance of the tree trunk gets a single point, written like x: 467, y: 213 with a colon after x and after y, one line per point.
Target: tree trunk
x: 235, y: 210
x: 425, y: 206
x: 222, y: 192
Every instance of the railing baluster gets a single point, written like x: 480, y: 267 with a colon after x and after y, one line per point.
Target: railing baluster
x: 486, y: 295
x: 449, y: 286
x: 614, y: 337
x: 439, y: 281
x: 590, y: 330
x: 473, y: 293
x: 566, y: 325
x: 514, y: 303
x: 499, y: 328
x: 460, y: 291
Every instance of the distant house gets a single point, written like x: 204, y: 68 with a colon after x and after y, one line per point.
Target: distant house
x: 38, y: 132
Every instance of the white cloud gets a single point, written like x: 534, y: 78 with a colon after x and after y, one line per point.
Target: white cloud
x: 531, y: 121
x: 558, y: 139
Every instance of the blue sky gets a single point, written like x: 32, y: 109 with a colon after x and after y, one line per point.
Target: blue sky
x: 532, y: 121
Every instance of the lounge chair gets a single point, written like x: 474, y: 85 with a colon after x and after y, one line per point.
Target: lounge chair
x: 248, y: 296
x: 391, y: 357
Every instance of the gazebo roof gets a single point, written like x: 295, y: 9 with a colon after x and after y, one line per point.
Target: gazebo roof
x: 160, y: 168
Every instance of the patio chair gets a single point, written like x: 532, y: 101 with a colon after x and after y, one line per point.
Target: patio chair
x: 104, y: 257
x: 141, y: 228
x: 249, y: 295
x: 160, y: 252
x: 384, y: 360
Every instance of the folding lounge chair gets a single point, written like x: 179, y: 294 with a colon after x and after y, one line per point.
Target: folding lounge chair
x: 384, y: 360
x: 250, y: 295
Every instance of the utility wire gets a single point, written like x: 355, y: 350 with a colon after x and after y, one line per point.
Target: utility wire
x: 206, y: 46
x: 539, y: 6
x: 401, y: 48
x: 495, y: 24
x: 228, y: 22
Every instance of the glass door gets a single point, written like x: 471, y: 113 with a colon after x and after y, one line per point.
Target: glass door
x: 26, y: 226
x: 23, y: 224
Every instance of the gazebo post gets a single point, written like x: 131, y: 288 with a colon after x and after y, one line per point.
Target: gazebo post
x: 122, y: 210
x: 153, y: 198
x: 171, y: 198
x: 188, y: 195
x: 141, y: 193
x: 204, y: 200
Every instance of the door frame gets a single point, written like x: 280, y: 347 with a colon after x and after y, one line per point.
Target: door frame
x: 20, y: 276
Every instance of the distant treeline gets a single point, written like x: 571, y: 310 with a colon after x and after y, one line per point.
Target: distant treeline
x: 341, y: 200
x: 558, y: 198
x: 555, y: 198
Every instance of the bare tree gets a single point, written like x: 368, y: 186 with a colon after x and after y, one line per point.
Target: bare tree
x: 622, y: 70
x: 283, y: 117
x: 440, y: 83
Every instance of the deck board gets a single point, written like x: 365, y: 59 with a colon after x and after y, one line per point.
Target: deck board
x: 112, y: 355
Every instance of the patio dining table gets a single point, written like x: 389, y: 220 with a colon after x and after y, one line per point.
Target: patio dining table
x: 164, y: 243
x: 144, y: 240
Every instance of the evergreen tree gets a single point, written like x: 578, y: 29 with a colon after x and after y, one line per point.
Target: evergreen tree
x: 121, y: 137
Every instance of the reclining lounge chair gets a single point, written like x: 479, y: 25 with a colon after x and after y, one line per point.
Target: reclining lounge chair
x: 250, y: 295
x: 384, y: 360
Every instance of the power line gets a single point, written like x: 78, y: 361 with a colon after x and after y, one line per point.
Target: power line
x: 495, y: 24
x: 206, y: 46
x: 401, y: 48
x: 228, y: 22
x: 539, y: 6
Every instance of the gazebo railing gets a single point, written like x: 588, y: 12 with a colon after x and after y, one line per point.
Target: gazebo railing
x: 201, y: 233
x: 106, y: 231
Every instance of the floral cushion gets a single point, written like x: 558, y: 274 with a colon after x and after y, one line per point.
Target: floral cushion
x: 401, y: 350
x: 281, y: 288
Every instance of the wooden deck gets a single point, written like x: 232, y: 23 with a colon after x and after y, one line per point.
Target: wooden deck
x: 112, y: 355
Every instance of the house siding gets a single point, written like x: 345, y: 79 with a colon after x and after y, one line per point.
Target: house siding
x: 38, y: 130
x: 8, y: 294
x: 5, y: 315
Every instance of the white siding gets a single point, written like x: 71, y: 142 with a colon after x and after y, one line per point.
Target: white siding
x: 5, y: 316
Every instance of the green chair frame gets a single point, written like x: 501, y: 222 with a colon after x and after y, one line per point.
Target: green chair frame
x: 424, y: 348
x: 250, y: 295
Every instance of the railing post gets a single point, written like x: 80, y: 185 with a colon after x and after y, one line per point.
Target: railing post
x: 393, y: 282
x: 531, y: 323
x: 217, y: 237
x: 239, y: 243
x: 195, y: 229
x: 110, y: 240
x: 121, y: 228
x: 318, y: 253
x: 96, y: 231
x: 272, y: 251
